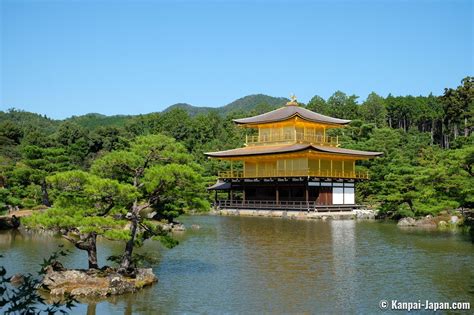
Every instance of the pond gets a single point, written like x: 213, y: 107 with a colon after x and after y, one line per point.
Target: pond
x: 255, y: 265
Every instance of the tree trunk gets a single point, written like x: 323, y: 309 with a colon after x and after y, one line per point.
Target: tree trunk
x: 126, y: 263
x: 92, y: 252
x: 432, y: 131
x: 466, y: 128
x: 44, y: 191
x: 444, y: 136
x: 87, y: 242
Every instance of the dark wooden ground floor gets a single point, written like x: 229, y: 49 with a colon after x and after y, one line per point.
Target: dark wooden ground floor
x: 286, y: 192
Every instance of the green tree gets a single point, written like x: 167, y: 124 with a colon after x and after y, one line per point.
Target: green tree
x: 164, y: 174
x: 373, y: 110
x: 458, y: 107
x: 318, y: 104
x: 84, y: 205
x: 343, y: 106
x: 40, y: 162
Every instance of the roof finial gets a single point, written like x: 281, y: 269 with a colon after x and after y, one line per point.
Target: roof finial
x: 293, y: 101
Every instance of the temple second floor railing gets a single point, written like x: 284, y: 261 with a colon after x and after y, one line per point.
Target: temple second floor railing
x: 295, y: 173
x: 292, y: 137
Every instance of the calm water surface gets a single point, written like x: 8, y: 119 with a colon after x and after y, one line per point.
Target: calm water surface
x: 254, y: 265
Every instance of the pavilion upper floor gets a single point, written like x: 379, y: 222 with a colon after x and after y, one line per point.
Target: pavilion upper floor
x: 289, y: 125
x: 293, y: 161
x: 290, y: 132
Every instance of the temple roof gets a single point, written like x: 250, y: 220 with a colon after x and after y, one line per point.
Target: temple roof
x: 289, y: 148
x: 220, y: 185
x: 290, y: 111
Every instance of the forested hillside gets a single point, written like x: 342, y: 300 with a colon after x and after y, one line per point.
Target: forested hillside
x: 259, y: 102
x: 427, y: 141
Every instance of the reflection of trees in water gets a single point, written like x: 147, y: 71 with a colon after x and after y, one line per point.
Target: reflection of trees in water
x: 413, y: 260
x: 8, y: 237
x: 91, y: 309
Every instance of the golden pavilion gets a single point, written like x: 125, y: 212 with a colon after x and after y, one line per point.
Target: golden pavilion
x: 290, y: 163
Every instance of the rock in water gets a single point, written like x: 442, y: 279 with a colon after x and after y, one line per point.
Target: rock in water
x: 178, y: 227
x: 407, y: 222
x: 426, y: 222
x: 442, y: 225
x: 7, y: 223
x: 365, y: 214
x: 17, y: 280
x: 95, y: 283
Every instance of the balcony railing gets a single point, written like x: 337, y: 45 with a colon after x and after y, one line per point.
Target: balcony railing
x: 292, y: 137
x: 281, y: 205
x: 295, y: 173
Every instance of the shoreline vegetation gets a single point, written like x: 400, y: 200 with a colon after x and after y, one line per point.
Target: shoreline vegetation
x: 129, y: 179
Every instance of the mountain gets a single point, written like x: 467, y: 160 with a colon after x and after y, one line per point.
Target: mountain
x: 190, y: 109
x: 245, y: 104
x: 250, y: 104
x: 23, y: 118
x: 94, y: 120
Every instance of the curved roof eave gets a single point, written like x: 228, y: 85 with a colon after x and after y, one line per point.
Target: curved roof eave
x: 285, y: 113
x: 253, y: 151
x: 290, y: 117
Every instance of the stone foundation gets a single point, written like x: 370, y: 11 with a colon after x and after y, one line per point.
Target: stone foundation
x: 300, y: 215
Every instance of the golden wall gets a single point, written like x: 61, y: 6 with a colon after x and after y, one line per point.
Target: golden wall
x: 290, y: 132
x: 299, y: 167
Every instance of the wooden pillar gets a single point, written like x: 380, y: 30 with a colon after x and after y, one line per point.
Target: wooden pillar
x: 331, y: 167
x: 307, y: 191
x: 332, y: 192
x: 231, y: 169
x: 277, y: 194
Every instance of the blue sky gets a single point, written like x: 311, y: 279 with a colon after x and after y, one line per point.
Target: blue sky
x: 63, y: 58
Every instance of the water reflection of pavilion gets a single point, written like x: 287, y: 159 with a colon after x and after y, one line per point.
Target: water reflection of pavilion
x: 289, y: 264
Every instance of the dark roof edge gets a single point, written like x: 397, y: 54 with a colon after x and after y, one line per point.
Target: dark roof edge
x: 309, y: 146
x: 259, y: 153
x: 238, y: 121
